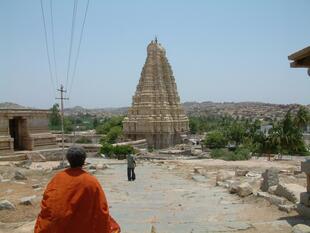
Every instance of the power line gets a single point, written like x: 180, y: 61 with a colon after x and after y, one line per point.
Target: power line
x: 79, y: 47
x: 71, y: 39
x: 47, y: 49
x: 53, y: 41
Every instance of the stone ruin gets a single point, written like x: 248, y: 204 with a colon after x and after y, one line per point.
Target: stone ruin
x: 156, y: 113
x: 24, y: 129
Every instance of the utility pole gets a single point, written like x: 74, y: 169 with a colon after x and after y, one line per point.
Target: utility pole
x: 62, y: 98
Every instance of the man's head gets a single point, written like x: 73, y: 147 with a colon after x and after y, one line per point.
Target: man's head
x: 76, y: 156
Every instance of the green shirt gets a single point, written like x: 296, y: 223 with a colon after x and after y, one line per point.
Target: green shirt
x: 131, y: 163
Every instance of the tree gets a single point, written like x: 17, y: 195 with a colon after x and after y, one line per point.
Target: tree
x: 193, y: 125
x: 114, y: 134
x: 55, y: 118
x: 215, y: 139
x: 302, y: 118
x: 236, y: 132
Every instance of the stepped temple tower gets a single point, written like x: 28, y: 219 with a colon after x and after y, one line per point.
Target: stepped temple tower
x: 156, y: 113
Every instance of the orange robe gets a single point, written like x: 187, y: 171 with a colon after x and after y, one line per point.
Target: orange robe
x: 74, y: 202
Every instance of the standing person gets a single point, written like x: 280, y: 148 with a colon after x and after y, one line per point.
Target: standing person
x: 131, y: 164
x: 75, y: 202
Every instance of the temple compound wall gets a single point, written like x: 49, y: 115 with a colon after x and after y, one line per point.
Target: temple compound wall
x: 156, y: 113
x: 24, y: 129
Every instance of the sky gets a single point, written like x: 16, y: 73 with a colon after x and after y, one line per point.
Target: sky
x: 219, y: 50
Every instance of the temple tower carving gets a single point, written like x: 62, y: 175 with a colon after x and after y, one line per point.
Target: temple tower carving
x: 156, y: 113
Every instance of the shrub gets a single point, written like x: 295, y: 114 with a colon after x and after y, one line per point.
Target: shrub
x: 84, y: 140
x: 239, y: 154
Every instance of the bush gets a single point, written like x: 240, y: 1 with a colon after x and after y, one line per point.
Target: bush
x: 221, y: 154
x: 239, y: 154
x: 118, y: 152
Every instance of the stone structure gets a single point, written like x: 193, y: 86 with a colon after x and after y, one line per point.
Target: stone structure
x: 303, y: 208
x: 156, y: 113
x: 24, y: 129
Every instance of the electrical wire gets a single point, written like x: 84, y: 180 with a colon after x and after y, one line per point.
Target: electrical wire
x: 71, y: 40
x: 78, y: 49
x: 53, y: 42
x: 47, y: 48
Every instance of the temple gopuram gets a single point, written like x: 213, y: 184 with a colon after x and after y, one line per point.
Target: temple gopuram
x: 24, y: 129
x: 156, y: 113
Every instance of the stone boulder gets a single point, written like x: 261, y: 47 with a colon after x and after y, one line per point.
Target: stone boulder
x: 240, y: 172
x: 6, y: 205
x: 290, y: 191
x: 301, y: 228
x: 273, y: 199
x: 27, y: 200
x: 101, y: 166
x: 19, y: 176
x: 233, y: 187
x: 244, y: 189
x: 272, y: 189
x: 271, y: 178
x: 224, y: 175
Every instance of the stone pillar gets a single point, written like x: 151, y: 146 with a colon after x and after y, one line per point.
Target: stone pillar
x: 303, y: 208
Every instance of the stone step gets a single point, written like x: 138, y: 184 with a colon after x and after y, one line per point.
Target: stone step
x: 14, y: 157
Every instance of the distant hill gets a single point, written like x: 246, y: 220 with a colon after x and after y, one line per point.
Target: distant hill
x: 9, y: 105
x: 252, y: 110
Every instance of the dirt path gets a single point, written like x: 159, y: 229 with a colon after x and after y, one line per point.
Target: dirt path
x: 171, y: 203
x: 165, y: 196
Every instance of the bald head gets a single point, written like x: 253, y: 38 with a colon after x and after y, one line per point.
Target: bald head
x: 76, y: 156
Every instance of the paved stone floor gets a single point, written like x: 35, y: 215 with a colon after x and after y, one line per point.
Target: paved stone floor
x: 172, y: 203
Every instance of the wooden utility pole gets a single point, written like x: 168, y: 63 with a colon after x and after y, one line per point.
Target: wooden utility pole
x: 62, y: 98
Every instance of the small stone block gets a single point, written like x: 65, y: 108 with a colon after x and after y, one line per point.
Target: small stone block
x: 305, y: 198
x: 305, y: 166
x: 303, y: 210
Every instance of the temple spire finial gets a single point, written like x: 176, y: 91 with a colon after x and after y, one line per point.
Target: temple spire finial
x: 156, y: 39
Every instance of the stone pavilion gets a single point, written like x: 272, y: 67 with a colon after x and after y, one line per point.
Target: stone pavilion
x: 24, y: 129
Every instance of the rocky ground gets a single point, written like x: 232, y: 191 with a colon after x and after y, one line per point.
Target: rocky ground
x: 174, y: 195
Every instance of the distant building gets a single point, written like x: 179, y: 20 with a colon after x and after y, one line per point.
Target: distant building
x: 265, y: 129
x: 24, y: 129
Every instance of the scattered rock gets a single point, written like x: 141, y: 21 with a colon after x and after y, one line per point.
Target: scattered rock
x: 287, y: 208
x: 92, y: 171
x: 19, y: 176
x: 27, y: 200
x: 272, y: 189
x: 301, y: 228
x: 197, y: 170
x: 233, y: 188
x: 240, y: 172
x: 101, y: 166
x: 92, y: 167
x: 25, y: 164
x: 224, y: 175
x: 6, y: 205
x: 290, y: 191
x: 273, y: 199
x: 253, y: 174
x: 199, y: 178
x: 35, y: 186
x: 244, y: 189
x: 1, y: 178
x: 271, y: 178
